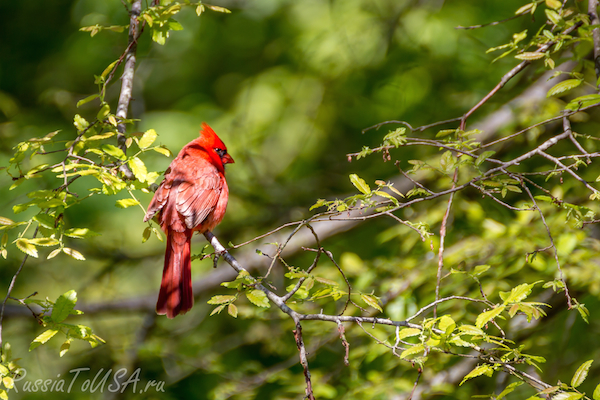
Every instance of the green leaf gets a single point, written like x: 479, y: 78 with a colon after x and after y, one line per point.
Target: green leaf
x: 6, y: 221
x: 371, y: 301
x: 108, y: 69
x: 564, y: 86
x: 8, y: 382
x: 146, y: 234
x: 53, y: 253
x: 218, y: 9
x: 408, y: 332
x: 386, y: 195
x: 232, y: 310
x: 104, y: 111
x: 80, y: 122
x: 124, y: 203
x: 471, y: 330
x: 221, y: 299
x: 73, y: 253
x: 44, y: 242
x: 80, y: 233
x: 583, y: 101
x: 596, y: 395
x: 360, y: 184
x: 45, y: 220
x: 217, y: 310
x: 258, y: 298
x: 138, y: 168
x: 64, y: 305
x: 100, y: 136
x: 517, y: 294
x: 581, y: 373
x: 87, y: 100
x: 65, y: 347
x: 568, y: 396
x: 526, y: 8
x: 529, y: 56
x: 43, y: 338
x: 147, y: 139
x: 447, y: 324
x: 447, y: 162
x: 484, y: 156
x: 484, y: 369
x: 418, y: 348
x: 26, y: 247
x: 114, y: 151
x: 162, y: 150
x: 487, y: 316
x: 553, y: 16
x: 480, y: 269
x: 554, y: 4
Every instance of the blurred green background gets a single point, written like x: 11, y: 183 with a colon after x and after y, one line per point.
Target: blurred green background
x: 288, y: 86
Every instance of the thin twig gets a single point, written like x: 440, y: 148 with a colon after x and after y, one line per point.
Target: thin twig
x: 442, y: 239
x: 511, y: 74
x: 127, y: 81
x: 11, y: 287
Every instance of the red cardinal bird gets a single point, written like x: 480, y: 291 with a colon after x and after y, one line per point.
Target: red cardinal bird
x: 192, y: 197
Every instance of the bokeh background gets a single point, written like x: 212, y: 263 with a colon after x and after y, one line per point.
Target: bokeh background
x: 289, y: 86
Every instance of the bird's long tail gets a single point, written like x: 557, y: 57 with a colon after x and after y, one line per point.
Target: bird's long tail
x: 176, y: 296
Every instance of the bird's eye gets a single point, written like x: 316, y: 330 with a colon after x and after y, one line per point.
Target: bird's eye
x: 221, y: 152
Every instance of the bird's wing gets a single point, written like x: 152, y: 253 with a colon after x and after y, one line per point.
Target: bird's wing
x: 198, y: 197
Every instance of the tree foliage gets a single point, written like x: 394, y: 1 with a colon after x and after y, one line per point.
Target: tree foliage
x: 413, y: 206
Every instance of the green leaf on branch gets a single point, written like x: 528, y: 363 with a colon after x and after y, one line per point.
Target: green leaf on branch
x: 416, y: 349
x: 221, y: 299
x: 360, y: 184
x: 43, y: 338
x: 80, y: 233
x: 371, y: 301
x: 87, y: 100
x: 258, y: 298
x: 564, y: 86
x: 484, y: 369
x: 529, y: 56
x: 114, y: 151
x: 73, y: 253
x: 104, y: 111
x: 581, y: 373
x: 517, y: 294
x: 6, y: 221
x: 26, y: 247
x: 64, y: 306
x: 487, y: 316
x: 125, y: 203
x: 483, y: 156
x: 138, y: 168
x: 147, y: 139
x: 583, y: 101
x: 44, y: 242
x: 80, y: 122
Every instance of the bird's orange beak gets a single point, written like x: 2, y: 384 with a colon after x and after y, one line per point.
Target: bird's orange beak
x: 226, y: 159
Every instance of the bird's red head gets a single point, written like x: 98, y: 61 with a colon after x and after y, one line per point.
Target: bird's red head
x: 213, y: 145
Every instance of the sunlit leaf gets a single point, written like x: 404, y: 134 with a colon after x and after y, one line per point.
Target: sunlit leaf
x: 73, y: 253
x: 258, y: 298
x: 26, y: 247
x: 484, y: 369
x: 487, y: 316
x: 564, y: 86
x: 65, y: 303
x: 124, y: 203
x: 360, y: 184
